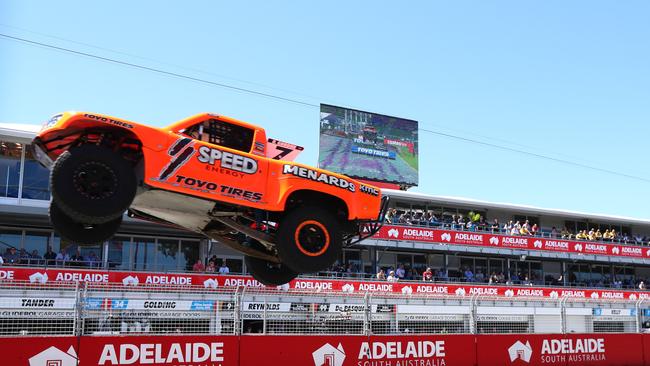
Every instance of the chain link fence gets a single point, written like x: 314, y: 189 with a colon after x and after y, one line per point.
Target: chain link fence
x: 92, y: 309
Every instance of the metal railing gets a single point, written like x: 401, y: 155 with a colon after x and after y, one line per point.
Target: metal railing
x: 100, y: 309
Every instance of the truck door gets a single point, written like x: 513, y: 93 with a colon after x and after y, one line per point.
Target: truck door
x: 223, y: 157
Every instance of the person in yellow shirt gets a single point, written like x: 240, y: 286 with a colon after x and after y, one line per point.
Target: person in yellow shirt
x: 606, y: 235
x: 599, y: 235
x: 524, y: 230
x: 591, y: 235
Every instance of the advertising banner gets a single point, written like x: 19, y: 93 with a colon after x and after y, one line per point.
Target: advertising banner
x: 40, y: 276
x: 394, y: 350
x: 486, y: 239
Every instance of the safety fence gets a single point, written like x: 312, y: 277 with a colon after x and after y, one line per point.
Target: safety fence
x: 94, y: 309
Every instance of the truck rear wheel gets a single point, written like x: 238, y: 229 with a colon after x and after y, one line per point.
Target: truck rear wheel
x: 80, y: 233
x: 309, y: 239
x: 267, y: 273
x: 92, y: 184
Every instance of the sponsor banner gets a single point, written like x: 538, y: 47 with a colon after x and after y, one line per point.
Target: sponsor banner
x: 267, y: 306
x: 358, y: 350
x: 181, y: 305
x: 40, y: 314
x: 452, y: 237
x: 430, y: 350
x: 36, y: 303
x: 570, y: 349
x: 614, y: 312
x: 214, y: 281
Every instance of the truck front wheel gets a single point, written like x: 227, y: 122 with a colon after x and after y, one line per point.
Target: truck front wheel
x: 309, y: 239
x: 268, y: 273
x: 81, y: 233
x: 92, y: 184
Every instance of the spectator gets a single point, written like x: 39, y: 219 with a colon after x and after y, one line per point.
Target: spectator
x: 224, y: 270
x: 524, y: 229
x: 49, y: 256
x: 507, y: 228
x: 77, y: 258
x: 501, y: 278
x: 470, y: 226
x: 598, y: 235
x: 495, y: 226
x: 442, y: 275
x: 566, y: 234
x: 427, y: 275
x: 553, y: 232
x: 515, y: 230
x: 198, y: 266
x: 62, y: 257
x: 534, y: 229
x: 381, y: 275
x: 92, y: 260
x: 469, y: 276
x: 591, y: 235
x: 460, y: 223
x: 391, y: 277
x: 399, y: 273
x: 607, y: 235
x: 493, y: 278
x: 390, y: 216
x: 641, y: 285
x: 479, y: 277
x: 211, y: 268
x: 2, y: 261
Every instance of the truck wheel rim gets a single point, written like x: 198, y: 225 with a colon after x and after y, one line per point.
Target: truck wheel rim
x: 94, y: 180
x: 312, y: 238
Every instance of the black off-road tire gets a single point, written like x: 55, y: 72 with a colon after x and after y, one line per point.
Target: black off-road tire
x: 267, y: 273
x: 92, y: 184
x: 309, y: 239
x: 80, y: 233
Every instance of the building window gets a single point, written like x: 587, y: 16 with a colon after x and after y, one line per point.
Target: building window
x: 36, y: 179
x: 189, y: 254
x: 119, y: 253
x: 10, y: 155
x: 167, y: 255
x: 144, y: 250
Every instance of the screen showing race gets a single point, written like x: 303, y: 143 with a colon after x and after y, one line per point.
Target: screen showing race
x: 368, y: 145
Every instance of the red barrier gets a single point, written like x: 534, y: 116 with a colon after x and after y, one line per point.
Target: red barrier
x: 427, y: 235
x: 40, y: 275
x: 559, y: 349
x: 429, y: 350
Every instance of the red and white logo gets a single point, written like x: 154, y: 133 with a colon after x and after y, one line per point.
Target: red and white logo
x: 520, y: 351
x: 38, y: 277
x: 615, y: 250
x: 393, y: 233
x: 54, y: 357
x: 494, y: 240
x: 578, y: 247
x: 328, y: 355
x: 538, y: 244
x: 210, y: 283
x: 509, y: 293
x: 407, y: 290
x: 461, y: 291
x: 130, y: 281
x: 445, y: 237
x: 348, y: 288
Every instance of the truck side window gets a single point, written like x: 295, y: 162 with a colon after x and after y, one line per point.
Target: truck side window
x: 222, y: 133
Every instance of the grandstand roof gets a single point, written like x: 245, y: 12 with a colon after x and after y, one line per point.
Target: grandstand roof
x: 524, y: 209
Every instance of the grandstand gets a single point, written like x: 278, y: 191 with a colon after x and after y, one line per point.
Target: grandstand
x: 522, y: 292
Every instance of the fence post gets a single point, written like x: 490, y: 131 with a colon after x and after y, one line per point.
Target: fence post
x: 562, y: 302
x: 237, y: 304
x: 77, y: 321
x: 367, y: 314
x: 639, y: 314
x: 472, y: 314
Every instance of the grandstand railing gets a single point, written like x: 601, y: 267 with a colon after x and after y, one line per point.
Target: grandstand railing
x: 28, y: 309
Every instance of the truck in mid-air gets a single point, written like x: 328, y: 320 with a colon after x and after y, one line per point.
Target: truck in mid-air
x: 210, y: 174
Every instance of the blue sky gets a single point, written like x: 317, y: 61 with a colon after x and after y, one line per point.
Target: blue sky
x: 570, y: 80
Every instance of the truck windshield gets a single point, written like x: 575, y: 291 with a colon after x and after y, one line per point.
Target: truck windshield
x: 222, y: 133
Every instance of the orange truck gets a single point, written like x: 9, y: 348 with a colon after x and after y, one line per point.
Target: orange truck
x: 210, y: 174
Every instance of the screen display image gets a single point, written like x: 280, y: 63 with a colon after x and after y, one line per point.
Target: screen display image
x: 368, y: 145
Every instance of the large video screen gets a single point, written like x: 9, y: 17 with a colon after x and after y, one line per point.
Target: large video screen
x: 368, y: 145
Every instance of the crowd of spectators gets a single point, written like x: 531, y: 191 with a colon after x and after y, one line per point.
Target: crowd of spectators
x: 12, y: 256
x: 474, y: 221
x: 200, y: 267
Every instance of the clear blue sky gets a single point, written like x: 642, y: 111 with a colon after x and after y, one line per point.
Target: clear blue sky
x: 566, y: 79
